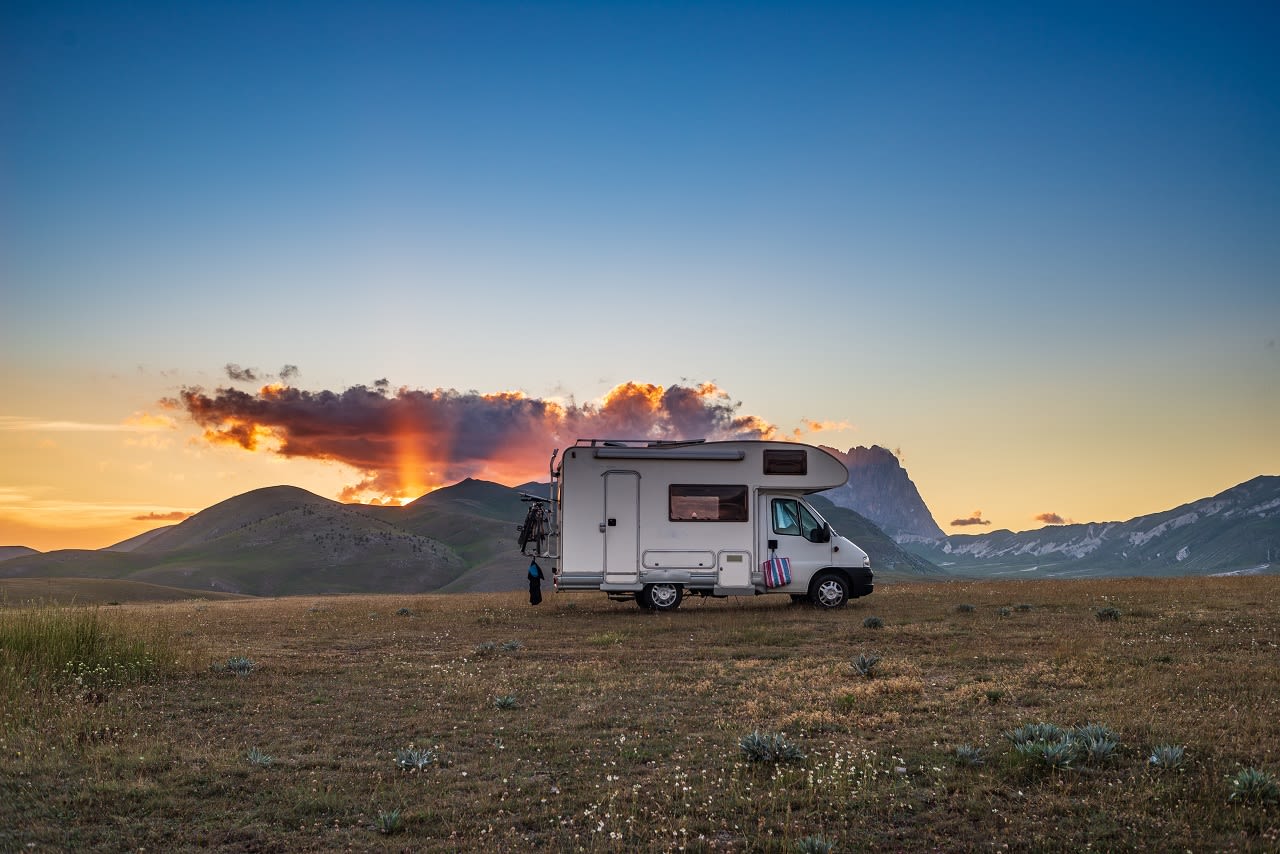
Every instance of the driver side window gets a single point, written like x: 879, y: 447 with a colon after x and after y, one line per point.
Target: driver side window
x: 791, y: 518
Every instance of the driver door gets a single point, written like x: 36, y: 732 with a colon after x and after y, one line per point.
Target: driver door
x: 789, y: 529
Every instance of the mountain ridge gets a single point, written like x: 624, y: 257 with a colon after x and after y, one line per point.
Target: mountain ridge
x: 1235, y: 530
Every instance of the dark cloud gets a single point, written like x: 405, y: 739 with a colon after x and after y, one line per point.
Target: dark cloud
x: 1052, y: 519
x: 238, y: 374
x: 173, y: 516
x: 288, y: 373
x: 974, y: 519
x: 407, y: 441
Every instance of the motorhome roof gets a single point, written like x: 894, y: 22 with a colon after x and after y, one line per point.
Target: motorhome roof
x: 637, y: 443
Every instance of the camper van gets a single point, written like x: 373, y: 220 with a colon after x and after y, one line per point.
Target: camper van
x: 656, y: 521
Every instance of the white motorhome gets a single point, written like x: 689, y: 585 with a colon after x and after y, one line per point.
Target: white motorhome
x: 652, y: 521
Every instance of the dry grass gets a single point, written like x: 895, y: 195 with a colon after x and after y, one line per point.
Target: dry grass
x: 626, y: 725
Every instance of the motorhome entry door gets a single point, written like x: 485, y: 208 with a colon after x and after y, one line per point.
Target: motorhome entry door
x: 621, y: 526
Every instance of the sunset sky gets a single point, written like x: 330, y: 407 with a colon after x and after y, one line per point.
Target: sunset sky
x: 370, y: 248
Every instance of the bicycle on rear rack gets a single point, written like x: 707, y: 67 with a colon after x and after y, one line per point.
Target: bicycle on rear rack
x: 537, y: 525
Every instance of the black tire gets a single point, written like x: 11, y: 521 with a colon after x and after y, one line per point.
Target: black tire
x: 664, y: 596
x: 829, y: 590
x: 642, y: 599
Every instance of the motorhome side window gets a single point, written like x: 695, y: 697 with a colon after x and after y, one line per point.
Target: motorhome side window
x: 786, y: 462
x: 707, y: 503
x: 792, y: 518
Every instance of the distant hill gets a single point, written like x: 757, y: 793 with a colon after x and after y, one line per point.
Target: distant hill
x: 1236, y: 531
x: 141, y: 539
x: 269, y: 542
x: 95, y: 591
x: 7, y: 552
x: 879, y: 489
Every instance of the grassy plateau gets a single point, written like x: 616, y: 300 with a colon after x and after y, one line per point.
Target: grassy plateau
x: 1113, y: 714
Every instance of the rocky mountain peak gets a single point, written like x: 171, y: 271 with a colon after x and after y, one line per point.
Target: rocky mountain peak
x: 880, y: 490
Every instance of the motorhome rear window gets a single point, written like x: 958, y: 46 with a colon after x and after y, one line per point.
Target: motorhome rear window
x: 707, y: 503
x: 786, y: 462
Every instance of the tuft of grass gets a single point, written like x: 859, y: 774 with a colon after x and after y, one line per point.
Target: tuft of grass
x: 486, y: 648
x: 1167, y: 757
x: 967, y: 754
x: 415, y: 758
x: 239, y: 665
x: 769, y: 747
x: 505, y: 702
x: 1109, y: 614
x: 52, y: 647
x: 1003, y: 612
x: 1023, y: 606
x: 1035, y: 732
x: 388, y: 822
x: 512, y: 646
x: 404, y: 612
x: 994, y: 695
x: 1254, y: 786
x: 865, y: 664
x: 873, y: 623
x: 964, y: 608
x: 815, y: 845
x: 257, y: 757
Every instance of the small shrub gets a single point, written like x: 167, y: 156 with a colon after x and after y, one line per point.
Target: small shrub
x: 967, y: 754
x: 388, y: 822
x: 1023, y: 606
x: 257, y: 757
x: 404, y: 612
x: 1166, y: 757
x: 815, y: 845
x: 512, y: 646
x: 865, y: 664
x: 486, y: 648
x: 1061, y: 748
x: 1096, y: 750
x: 964, y: 608
x: 240, y: 666
x: 769, y: 747
x: 1003, y: 612
x: 415, y: 758
x: 1035, y: 732
x: 1254, y: 786
x: 994, y: 696
x: 505, y: 702
x: 1108, y: 614
x: 873, y: 623
x: 1056, y: 754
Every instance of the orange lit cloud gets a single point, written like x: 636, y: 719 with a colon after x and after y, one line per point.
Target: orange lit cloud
x: 405, y: 442
x: 975, y: 518
x: 808, y: 427
x: 1052, y: 519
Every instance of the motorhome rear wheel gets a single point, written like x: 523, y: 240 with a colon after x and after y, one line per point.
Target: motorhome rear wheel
x: 661, y: 597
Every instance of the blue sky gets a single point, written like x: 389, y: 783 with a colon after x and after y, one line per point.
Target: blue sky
x: 1032, y: 245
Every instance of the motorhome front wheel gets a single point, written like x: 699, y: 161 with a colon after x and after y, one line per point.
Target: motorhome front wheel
x: 830, y: 590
